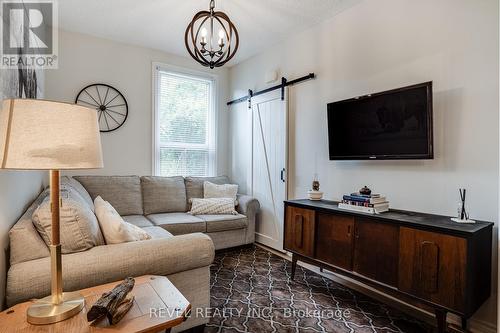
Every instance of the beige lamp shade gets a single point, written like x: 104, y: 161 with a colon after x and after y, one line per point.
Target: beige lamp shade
x: 41, y: 135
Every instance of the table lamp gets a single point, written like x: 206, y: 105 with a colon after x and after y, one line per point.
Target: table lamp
x: 46, y: 135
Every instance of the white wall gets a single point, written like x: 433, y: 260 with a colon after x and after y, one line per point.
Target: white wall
x: 85, y: 60
x: 378, y: 45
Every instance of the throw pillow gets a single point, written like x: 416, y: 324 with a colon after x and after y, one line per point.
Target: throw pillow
x: 78, y: 225
x: 75, y: 184
x: 213, y: 206
x: 211, y: 190
x: 114, y: 228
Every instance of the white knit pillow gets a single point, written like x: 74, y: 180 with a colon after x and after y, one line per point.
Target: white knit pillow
x: 211, y: 190
x: 213, y: 206
x: 114, y: 228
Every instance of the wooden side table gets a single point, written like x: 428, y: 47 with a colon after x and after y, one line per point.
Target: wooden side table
x: 158, y: 305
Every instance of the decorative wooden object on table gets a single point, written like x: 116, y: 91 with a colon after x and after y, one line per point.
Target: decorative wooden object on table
x: 157, y: 306
x: 113, y: 304
x: 425, y: 260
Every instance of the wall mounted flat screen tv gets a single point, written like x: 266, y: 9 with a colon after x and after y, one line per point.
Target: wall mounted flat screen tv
x: 395, y: 124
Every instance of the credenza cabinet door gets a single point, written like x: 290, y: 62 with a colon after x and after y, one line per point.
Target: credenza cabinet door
x: 376, y: 247
x: 432, y: 267
x: 299, y: 230
x: 334, y: 243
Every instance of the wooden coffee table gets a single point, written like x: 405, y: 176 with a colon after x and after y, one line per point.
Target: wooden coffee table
x: 158, y: 306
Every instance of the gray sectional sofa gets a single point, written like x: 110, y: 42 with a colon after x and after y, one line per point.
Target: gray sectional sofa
x: 182, y: 245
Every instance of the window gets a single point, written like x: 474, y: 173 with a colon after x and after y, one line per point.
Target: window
x: 184, y: 115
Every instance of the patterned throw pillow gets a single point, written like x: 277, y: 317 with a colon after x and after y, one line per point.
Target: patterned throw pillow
x: 213, y: 206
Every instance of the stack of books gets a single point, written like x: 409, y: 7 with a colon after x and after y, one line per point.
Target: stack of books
x: 372, y: 203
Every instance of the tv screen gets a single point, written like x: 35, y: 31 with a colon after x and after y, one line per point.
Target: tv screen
x: 395, y: 124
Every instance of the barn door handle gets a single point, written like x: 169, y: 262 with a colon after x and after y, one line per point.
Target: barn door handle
x: 283, y: 175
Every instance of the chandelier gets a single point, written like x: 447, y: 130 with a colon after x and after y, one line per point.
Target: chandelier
x: 211, y: 38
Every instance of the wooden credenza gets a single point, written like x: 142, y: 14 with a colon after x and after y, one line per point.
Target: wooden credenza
x: 423, y: 259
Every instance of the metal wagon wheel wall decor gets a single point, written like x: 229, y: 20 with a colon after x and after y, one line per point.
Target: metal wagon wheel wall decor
x: 109, y: 103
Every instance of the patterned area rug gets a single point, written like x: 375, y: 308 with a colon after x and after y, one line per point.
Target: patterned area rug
x: 251, y: 291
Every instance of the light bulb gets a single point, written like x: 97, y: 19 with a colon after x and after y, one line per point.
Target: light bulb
x: 204, y: 32
x: 221, y: 34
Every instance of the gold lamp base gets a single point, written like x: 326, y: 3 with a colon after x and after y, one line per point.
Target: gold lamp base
x: 43, y: 311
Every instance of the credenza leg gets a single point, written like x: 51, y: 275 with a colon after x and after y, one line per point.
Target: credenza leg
x: 464, y: 323
x: 441, y: 320
x: 294, y: 264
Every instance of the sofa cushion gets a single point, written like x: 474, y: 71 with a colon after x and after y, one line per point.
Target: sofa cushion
x: 194, y: 185
x: 163, y: 194
x: 138, y: 220
x: 79, y: 227
x: 122, y: 192
x: 224, y: 222
x: 25, y: 241
x: 178, y: 223
x: 157, y: 232
x: 77, y: 186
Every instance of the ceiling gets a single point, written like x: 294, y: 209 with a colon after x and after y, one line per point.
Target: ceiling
x: 160, y: 24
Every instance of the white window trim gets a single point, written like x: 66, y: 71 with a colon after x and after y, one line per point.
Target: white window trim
x: 212, y: 118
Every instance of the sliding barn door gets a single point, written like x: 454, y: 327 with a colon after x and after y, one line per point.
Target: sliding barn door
x: 269, y: 165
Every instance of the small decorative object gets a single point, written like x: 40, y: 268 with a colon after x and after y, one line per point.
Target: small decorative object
x: 109, y: 103
x: 211, y: 38
x: 463, y: 216
x: 113, y: 304
x: 315, y: 193
x: 315, y: 183
x: 365, y: 191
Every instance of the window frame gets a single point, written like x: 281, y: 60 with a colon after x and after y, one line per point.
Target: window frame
x: 158, y: 67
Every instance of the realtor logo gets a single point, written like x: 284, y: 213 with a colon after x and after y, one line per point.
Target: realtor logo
x: 29, y: 34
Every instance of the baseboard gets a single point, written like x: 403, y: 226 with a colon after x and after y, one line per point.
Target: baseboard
x: 475, y: 326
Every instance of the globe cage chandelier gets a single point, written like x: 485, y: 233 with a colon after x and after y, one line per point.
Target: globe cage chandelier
x: 201, y: 42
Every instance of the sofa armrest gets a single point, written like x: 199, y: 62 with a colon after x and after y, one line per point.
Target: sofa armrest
x: 248, y: 206
x: 108, y: 263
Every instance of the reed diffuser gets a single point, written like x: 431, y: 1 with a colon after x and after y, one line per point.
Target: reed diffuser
x: 463, y: 215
